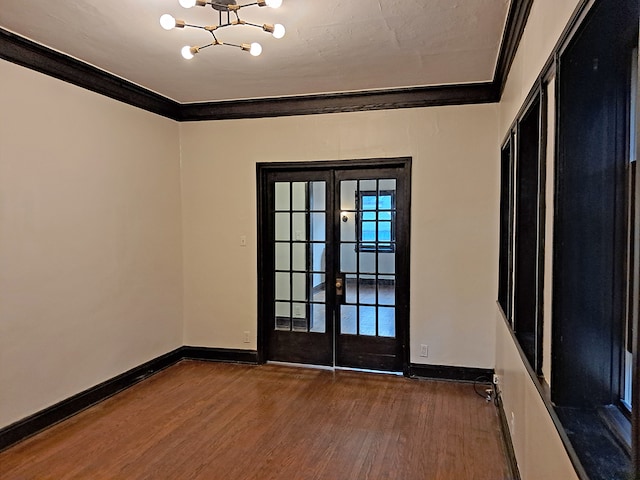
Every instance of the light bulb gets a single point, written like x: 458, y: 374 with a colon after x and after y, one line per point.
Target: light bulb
x: 186, y: 52
x: 167, y: 21
x: 187, y: 3
x: 256, y: 49
x: 274, y: 3
x: 278, y: 30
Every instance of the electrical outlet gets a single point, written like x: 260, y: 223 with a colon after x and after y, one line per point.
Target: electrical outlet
x: 245, y: 337
x: 243, y: 240
x: 424, y: 350
x: 496, y: 379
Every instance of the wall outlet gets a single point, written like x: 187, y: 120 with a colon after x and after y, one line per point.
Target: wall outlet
x: 496, y: 379
x: 245, y: 336
x: 424, y: 350
x: 243, y: 240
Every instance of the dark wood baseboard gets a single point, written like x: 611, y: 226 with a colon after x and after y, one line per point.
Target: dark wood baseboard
x: 66, y: 408
x: 506, y: 438
x: 220, y: 354
x: 49, y: 416
x: 446, y: 372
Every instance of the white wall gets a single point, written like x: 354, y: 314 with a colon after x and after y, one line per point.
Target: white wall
x: 538, y: 448
x: 537, y: 444
x: 544, y: 27
x: 454, y: 218
x: 90, y: 243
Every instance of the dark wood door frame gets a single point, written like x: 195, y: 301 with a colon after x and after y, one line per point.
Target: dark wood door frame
x: 402, y: 261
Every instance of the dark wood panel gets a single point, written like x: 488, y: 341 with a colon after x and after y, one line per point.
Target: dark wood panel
x: 375, y: 353
x: 203, y: 420
x: 300, y: 347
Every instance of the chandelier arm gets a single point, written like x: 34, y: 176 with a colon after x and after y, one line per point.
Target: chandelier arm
x: 247, y: 5
x: 253, y: 24
x: 214, y: 43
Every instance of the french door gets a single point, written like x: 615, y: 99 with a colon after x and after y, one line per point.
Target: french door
x: 334, y: 263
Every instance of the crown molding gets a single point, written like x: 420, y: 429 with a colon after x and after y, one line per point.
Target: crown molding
x: 19, y: 50
x: 342, y: 102
x: 514, y: 28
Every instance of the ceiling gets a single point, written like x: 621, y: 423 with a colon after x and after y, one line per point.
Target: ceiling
x: 330, y: 46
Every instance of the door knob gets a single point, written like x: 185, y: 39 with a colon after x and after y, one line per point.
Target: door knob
x: 339, y: 286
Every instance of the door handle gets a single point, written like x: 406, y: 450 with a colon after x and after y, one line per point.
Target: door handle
x: 339, y: 286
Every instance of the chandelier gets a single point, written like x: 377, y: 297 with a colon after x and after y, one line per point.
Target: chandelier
x: 228, y: 16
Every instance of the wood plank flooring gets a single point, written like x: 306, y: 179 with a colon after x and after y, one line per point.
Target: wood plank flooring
x: 200, y: 420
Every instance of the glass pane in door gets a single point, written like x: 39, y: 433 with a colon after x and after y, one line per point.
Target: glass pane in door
x: 300, y: 256
x: 368, y: 257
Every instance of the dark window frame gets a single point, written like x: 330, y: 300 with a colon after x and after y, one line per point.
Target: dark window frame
x: 505, y: 267
x: 375, y: 245
x: 528, y: 254
x: 514, y: 290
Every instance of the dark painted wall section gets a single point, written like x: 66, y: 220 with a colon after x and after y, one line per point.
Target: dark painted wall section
x: 589, y: 223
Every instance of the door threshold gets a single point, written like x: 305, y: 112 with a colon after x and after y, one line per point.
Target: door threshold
x: 331, y: 368
x: 300, y: 365
x: 368, y: 370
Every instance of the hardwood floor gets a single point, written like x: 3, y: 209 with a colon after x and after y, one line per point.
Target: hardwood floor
x: 199, y: 420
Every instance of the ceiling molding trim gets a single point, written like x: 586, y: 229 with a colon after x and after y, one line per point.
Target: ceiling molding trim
x: 24, y: 52
x: 516, y: 22
x: 342, y: 102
